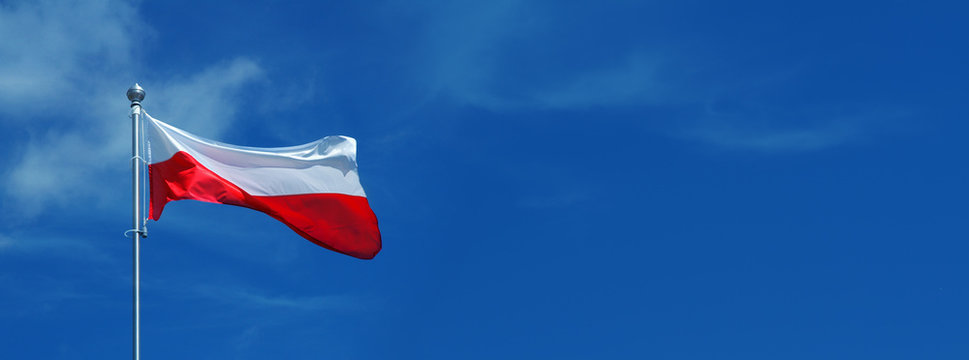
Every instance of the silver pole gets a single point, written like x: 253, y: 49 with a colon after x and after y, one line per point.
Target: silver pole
x: 136, y: 94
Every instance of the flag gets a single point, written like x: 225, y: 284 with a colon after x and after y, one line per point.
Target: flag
x: 313, y: 188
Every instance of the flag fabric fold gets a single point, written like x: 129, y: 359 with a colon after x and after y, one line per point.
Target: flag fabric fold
x: 313, y: 188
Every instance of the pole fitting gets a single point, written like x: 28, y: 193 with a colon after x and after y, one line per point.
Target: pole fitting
x: 136, y: 94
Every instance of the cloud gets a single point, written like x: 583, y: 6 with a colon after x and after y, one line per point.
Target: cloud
x: 5, y: 243
x: 69, y: 65
x: 240, y: 296
x: 53, y: 245
x: 632, y: 83
x: 61, y: 167
x: 776, y: 140
x: 510, y: 56
x: 247, y: 338
x: 54, y: 48
x: 204, y: 103
x: 484, y: 54
x: 462, y: 48
x: 31, y: 293
x: 772, y: 129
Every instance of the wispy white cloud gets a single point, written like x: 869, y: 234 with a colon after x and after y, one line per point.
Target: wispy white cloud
x: 206, y: 102
x: 466, y: 58
x: 770, y: 129
x: 5, y: 243
x: 54, y: 48
x: 634, y: 82
x: 773, y: 140
x: 252, y: 312
x: 240, y: 296
x: 29, y: 294
x: 53, y: 246
x: 244, y: 298
x: 62, y: 166
x: 467, y: 47
x: 247, y: 338
x: 69, y: 65
x: 462, y: 46
x: 237, y: 296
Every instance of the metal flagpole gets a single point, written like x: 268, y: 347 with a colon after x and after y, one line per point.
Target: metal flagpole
x: 136, y: 94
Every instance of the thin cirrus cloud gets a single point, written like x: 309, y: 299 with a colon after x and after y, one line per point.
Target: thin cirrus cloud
x: 51, y: 49
x: 246, y: 297
x: 52, y: 246
x: 69, y: 64
x: 468, y: 54
x: 298, y: 303
x: 481, y: 55
x: 775, y: 140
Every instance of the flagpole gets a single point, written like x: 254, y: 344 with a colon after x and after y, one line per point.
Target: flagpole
x: 136, y: 94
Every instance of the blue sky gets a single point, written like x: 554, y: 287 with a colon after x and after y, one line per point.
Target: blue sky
x: 553, y: 179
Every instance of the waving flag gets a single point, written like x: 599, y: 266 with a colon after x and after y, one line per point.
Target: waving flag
x: 313, y: 188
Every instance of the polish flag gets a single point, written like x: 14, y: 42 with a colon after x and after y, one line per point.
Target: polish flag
x: 313, y: 188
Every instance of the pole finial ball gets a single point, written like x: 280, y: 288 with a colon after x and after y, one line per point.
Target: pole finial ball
x: 136, y: 93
